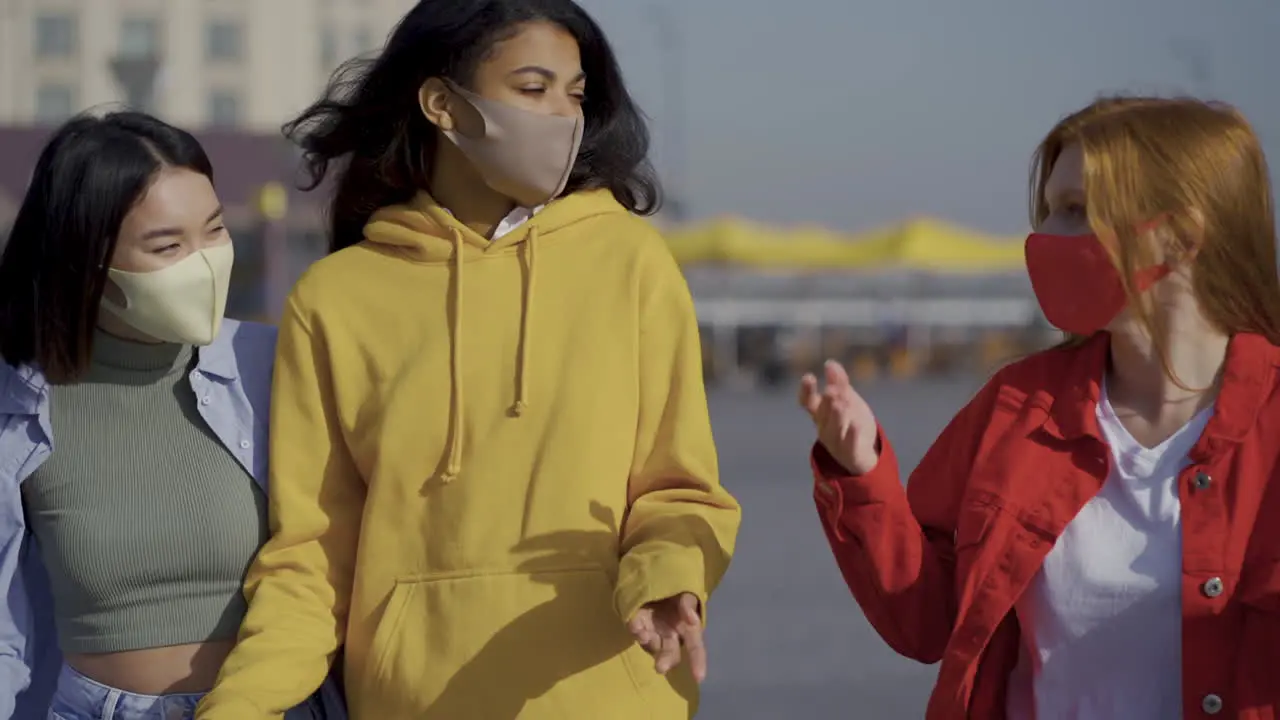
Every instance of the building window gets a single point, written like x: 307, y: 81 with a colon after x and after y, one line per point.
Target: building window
x: 224, y: 109
x: 139, y: 37
x: 223, y: 41
x: 55, y: 102
x: 56, y: 35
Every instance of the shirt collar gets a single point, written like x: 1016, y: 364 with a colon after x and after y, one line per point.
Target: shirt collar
x: 1247, y: 375
x: 513, y: 220
x: 218, y: 358
x: 20, y: 390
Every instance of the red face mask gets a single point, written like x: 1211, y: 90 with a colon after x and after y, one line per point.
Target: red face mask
x: 1077, y: 285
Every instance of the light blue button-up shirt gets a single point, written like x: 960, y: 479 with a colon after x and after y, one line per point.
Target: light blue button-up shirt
x: 232, y: 383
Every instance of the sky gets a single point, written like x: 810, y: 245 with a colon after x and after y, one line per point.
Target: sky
x: 855, y: 114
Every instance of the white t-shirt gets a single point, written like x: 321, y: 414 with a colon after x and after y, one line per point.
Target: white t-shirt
x: 1102, y: 619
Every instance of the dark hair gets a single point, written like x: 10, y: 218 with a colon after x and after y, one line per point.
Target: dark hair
x: 54, y: 268
x: 369, y: 118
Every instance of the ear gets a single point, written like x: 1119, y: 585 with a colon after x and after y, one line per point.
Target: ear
x: 433, y: 100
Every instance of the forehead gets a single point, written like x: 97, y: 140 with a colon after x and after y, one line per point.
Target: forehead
x: 175, y: 195
x: 536, y: 43
x: 1068, y: 171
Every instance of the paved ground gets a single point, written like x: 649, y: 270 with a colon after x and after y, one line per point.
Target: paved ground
x: 787, y: 639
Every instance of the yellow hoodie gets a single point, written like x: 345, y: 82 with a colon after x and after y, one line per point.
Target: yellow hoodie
x: 486, y: 457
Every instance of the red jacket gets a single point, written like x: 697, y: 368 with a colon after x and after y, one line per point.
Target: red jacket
x: 938, y: 567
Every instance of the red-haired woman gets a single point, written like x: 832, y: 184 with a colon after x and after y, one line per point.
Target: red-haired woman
x: 1088, y: 536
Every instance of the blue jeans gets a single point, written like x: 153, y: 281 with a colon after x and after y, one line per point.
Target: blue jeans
x: 79, y: 698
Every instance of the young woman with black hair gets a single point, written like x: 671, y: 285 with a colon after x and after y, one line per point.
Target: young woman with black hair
x: 133, y: 428
x: 493, y: 475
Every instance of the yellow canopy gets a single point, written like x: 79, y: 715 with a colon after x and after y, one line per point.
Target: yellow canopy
x: 921, y: 244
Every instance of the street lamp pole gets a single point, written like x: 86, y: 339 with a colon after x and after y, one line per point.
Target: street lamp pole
x: 272, y: 204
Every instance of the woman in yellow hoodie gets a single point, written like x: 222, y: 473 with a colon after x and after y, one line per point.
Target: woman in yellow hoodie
x: 493, y: 481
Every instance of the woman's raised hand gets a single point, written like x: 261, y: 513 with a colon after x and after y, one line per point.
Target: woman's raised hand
x: 846, y: 426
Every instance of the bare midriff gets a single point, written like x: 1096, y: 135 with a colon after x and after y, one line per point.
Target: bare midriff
x: 157, y: 671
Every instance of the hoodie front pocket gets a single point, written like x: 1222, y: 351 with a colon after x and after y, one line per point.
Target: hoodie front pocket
x: 503, y: 645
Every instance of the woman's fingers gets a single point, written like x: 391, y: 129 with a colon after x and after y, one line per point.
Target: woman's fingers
x: 836, y: 375
x: 808, y: 396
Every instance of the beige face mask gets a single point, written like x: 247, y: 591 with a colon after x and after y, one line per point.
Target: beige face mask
x: 524, y: 155
x: 182, y: 303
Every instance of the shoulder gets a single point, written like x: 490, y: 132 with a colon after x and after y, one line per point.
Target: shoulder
x: 638, y: 235
x: 616, y: 231
x: 659, y: 280
x: 1251, y: 382
x: 20, y: 389
x: 1054, y: 371
x: 248, y: 346
x: 249, y: 339
x: 247, y: 333
x: 335, y: 276
x: 641, y: 247
x: 1049, y: 381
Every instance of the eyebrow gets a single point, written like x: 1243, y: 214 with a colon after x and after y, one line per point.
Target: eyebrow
x: 548, y: 74
x: 171, y: 231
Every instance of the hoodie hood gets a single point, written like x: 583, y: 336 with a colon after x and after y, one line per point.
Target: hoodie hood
x: 426, y: 232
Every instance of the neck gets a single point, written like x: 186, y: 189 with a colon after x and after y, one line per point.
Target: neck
x: 458, y: 187
x: 1139, y: 378
x: 112, y: 325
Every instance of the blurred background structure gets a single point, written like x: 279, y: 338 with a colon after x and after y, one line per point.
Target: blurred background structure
x: 232, y: 71
x: 845, y: 179
x: 773, y: 300
x: 229, y: 64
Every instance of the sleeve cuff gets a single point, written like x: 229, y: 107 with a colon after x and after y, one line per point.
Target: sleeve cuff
x: 836, y: 489
x: 634, y: 592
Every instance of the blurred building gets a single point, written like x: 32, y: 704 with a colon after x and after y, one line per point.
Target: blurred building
x: 232, y: 71
x: 243, y: 64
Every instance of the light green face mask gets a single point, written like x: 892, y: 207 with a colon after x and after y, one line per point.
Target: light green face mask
x: 182, y: 303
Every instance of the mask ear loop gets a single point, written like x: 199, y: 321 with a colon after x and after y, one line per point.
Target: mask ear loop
x: 467, y: 97
x: 112, y: 304
x: 456, y: 91
x: 1140, y: 279
x: 1183, y: 253
x: 106, y: 286
x: 105, y: 264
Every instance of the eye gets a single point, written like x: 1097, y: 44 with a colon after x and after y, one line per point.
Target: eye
x: 534, y: 90
x: 217, y: 230
x: 167, y: 249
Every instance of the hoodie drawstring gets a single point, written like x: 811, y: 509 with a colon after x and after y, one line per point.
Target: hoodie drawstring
x: 522, y: 362
x: 454, y: 465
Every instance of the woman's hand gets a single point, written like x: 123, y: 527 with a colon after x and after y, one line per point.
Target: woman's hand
x: 845, y: 423
x: 665, y: 627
